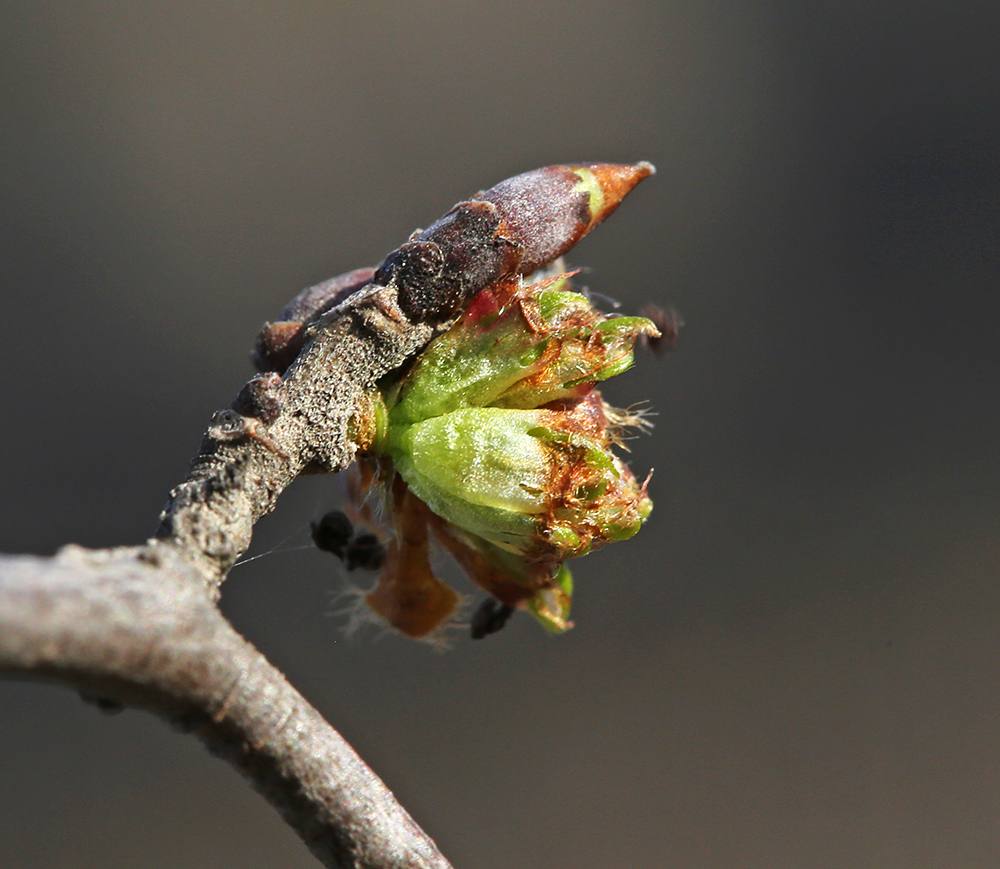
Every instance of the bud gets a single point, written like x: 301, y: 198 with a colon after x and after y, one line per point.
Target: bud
x: 517, y: 347
x: 499, y: 430
x: 514, y: 228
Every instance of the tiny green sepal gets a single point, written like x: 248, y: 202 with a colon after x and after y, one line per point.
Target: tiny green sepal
x: 551, y: 606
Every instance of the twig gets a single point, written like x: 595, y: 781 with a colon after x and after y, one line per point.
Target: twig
x: 139, y: 626
x: 135, y: 627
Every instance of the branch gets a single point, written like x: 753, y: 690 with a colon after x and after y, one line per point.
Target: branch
x: 140, y: 627
x: 245, y: 464
x: 135, y: 627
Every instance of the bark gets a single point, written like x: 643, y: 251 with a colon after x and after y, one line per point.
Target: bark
x: 135, y: 627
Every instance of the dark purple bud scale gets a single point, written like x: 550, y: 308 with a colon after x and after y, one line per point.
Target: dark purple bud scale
x: 317, y: 300
x: 546, y: 211
x: 449, y: 262
x: 514, y: 228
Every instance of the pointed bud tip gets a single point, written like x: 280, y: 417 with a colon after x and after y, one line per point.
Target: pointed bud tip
x: 615, y: 181
x: 634, y: 172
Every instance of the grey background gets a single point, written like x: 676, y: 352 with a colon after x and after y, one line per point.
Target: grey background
x: 795, y: 664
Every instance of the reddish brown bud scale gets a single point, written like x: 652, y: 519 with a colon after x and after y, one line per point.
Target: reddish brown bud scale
x: 408, y: 594
x: 586, y: 414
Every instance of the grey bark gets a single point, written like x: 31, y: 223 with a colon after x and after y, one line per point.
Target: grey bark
x: 139, y: 626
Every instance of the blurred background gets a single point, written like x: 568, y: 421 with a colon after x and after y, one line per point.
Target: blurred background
x: 795, y: 664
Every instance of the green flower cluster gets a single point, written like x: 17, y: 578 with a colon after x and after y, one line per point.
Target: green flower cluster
x: 498, y: 428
